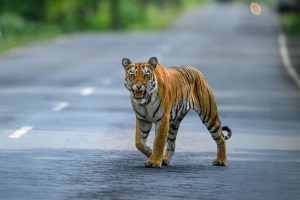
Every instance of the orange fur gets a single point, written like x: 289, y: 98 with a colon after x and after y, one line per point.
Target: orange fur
x: 179, y: 89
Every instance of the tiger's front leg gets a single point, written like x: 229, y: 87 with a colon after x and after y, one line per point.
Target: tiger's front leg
x: 161, y: 134
x: 143, y: 129
x: 170, y: 147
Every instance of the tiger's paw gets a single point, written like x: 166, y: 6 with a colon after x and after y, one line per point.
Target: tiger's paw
x: 165, y: 162
x: 152, y: 164
x: 219, y: 162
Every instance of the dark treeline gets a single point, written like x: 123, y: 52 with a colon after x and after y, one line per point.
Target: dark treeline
x: 33, y: 16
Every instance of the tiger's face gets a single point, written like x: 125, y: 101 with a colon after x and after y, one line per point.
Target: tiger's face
x: 140, y: 79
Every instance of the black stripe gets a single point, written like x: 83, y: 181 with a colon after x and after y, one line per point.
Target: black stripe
x: 149, y: 100
x: 144, y: 137
x: 191, y: 71
x: 139, y: 113
x: 172, y: 140
x: 199, y: 81
x: 143, y: 120
x: 197, y: 93
x: 157, y: 109
x: 176, y: 113
x: 179, y: 70
x: 186, y: 78
x: 154, y: 84
x: 209, y: 99
x: 145, y: 132
x: 160, y: 118
x: 200, y: 112
x: 228, y: 130
x: 204, y: 116
x: 189, y: 78
x: 216, y: 129
x: 175, y: 94
x: 181, y: 117
x: 155, y: 97
x: 217, y: 138
x: 187, y: 73
x: 171, y: 132
x: 173, y: 127
x: 183, y: 106
x: 212, y: 122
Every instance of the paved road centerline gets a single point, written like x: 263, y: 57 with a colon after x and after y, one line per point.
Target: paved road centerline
x: 20, y: 132
x: 87, y: 91
x: 60, y: 106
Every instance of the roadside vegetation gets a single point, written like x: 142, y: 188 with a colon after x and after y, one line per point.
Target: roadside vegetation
x: 290, y: 13
x: 30, y: 20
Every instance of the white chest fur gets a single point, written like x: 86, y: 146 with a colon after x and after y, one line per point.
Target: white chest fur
x: 152, y: 111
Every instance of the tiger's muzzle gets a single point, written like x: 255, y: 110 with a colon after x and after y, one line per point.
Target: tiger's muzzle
x: 139, y: 94
x: 139, y: 91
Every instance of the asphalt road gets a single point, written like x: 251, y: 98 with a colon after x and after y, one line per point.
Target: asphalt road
x: 67, y: 128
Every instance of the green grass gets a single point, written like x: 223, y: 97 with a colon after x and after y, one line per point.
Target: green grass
x: 17, y: 41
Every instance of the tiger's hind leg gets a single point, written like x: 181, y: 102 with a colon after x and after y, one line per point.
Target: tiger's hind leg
x: 221, y: 152
x: 218, y: 136
x: 211, y: 120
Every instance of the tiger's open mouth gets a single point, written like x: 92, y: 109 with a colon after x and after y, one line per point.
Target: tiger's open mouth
x: 139, y: 94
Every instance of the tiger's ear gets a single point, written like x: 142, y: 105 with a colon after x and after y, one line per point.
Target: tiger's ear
x: 125, y: 62
x: 153, y: 62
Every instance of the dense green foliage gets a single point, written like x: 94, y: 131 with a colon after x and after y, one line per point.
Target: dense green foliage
x: 291, y: 23
x: 19, y: 17
x: 22, y: 21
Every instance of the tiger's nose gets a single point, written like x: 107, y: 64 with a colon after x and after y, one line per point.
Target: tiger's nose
x: 139, y: 87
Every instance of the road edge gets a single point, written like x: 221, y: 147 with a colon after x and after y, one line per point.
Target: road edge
x: 285, y: 58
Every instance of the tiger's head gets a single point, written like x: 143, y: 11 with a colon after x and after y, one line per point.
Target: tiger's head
x: 140, y: 79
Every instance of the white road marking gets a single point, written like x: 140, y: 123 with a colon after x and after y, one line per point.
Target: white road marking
x: 60, y: 106
x: 87, y: 91
x: 286, y: 59
x: 22, y: 131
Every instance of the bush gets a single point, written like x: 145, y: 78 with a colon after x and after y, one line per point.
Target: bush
x: 291, y: 23
x: 12, y: 24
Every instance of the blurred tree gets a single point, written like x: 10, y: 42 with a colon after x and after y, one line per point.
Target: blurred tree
x: 115, y: 14
x: 29, y: 9
x: 19, y: 17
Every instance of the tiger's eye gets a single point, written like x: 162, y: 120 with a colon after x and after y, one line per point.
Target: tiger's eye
x: 131, y: 75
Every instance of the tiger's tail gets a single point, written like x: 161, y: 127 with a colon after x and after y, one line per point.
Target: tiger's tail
x: 228, y: 130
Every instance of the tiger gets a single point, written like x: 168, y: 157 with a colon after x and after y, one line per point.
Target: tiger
x: 163, y: 96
